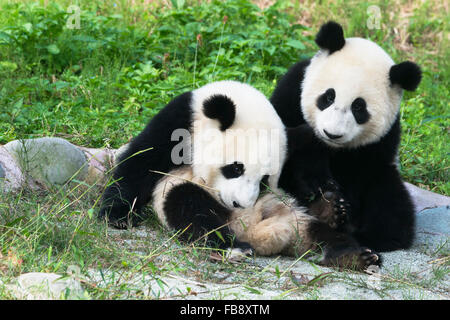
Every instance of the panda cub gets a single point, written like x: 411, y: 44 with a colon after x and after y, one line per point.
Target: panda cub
x: 199, y: 159
x: 201, y: 162
x: 349, y: 94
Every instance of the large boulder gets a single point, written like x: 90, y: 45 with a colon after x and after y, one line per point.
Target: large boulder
x: 49, y: 161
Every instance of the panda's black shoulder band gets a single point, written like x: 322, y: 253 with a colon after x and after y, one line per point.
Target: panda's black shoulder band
x: 331, y: 37
x: 221, y: 108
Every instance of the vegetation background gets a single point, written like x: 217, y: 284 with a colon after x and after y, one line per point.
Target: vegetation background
x: 98, y: 83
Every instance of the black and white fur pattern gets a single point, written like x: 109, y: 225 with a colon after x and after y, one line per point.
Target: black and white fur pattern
x: 349, y: 94
x: 221, y: 173
x: 217, y: 192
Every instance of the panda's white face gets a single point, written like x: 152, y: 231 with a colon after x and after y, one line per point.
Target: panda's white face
x: 235, y: 156
x: 238, y: 185
x: 347, y: 96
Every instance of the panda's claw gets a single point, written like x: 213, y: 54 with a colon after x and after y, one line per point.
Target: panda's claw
x: 370, y: 257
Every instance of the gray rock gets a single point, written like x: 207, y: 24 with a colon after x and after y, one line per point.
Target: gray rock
x: 12, y: 179
x: 50, y: 161
x: 100, y: 163
x: 120, y: 151
x: 424, y: 199
x: 433, y: 228
x: 2, y: 172
x: 45, y: 286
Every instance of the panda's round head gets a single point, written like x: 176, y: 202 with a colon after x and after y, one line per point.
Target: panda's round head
x: 238, y: 141
x: 352, y: 89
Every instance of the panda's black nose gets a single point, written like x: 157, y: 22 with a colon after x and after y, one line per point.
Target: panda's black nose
x: 236, y: 205
x: 332, y: 136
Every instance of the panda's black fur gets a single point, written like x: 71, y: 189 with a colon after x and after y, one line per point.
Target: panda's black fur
x: 134, y: 183
x: 190, y: 205
x: 381, y: 214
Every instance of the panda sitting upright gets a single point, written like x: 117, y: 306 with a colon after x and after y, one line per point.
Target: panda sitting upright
x: 349, y: 94
x: 207, y: 186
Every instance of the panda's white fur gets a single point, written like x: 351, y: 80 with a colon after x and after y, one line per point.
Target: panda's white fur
x: 359, y: 69
x: 257, y: 138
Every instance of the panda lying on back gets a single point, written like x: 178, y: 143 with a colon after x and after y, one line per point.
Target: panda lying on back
x: 232, y: 141
x: 349, y: 93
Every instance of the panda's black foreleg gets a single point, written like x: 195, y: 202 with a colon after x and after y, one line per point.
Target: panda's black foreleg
x: 121, y: 205
x: 195, y: 211
x: 340, y: 249
x: 386, y: 218
x: 131, y: 189
x: 306, y: 174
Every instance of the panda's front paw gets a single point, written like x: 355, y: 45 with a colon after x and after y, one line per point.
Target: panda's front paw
x: 118, y: 217
x: 339, y: 215
x: 313, y: 185
x: 331, y: 207
x: 308, y: 190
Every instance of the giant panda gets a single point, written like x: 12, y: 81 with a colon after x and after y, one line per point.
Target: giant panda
x: 201, y: 162
x: 349, y: 94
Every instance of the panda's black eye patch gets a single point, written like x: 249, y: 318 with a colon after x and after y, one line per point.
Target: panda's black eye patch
x: 326, y: 99
x: 234, y: 170
x: 359, y: 110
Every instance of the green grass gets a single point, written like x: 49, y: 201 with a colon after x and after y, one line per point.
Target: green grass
x: 41, y: 232
x: 98, y: 86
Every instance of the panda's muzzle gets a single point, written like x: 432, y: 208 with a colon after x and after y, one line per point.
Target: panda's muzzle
x: 332, y: 136
x: 235, y: 204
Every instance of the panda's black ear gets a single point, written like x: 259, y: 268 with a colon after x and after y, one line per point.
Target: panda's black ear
x: 406, y: 74
x: 221, y: 108
x: 331, y: 37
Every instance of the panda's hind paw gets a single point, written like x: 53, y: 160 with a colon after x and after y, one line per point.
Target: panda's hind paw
x: 360, y: 258
x: 370, y: 257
